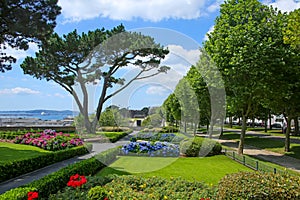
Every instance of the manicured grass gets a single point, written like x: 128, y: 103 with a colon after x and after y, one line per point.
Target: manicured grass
x: 208, y: 169
x: 10, y: 151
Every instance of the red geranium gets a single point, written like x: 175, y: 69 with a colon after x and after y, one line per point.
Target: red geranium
x: 76, y: 181
x: 32, y: 195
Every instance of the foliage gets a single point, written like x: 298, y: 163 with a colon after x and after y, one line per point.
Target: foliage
x: 136, y: 187
x: 259, y: 186
x: 146, y: 148
x: 110, y: 117
x: 247, y: 48
x: 49, y: 140
x: 198, y: 146
x: 17, y: 194
x: 82, y: 192
x: 56, y: 181
x: 97, y: 192
x: 96, y: 56
x: 169, y: 129
x: 18, y: 167
x: 23, y: 22
x: 172, y: 109
x: 154, y: 120
x: 292, y: 30
x: 114, y: 136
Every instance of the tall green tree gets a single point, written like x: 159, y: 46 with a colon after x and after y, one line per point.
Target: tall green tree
x: 24, y: 21
x: 97, y: 56
x: 188, y: 104
x: 244, y: 46
x: 292, y: 30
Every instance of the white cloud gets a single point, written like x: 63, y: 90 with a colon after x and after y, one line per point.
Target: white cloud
x: 215, y: 6
x: 179, y: 55
x: 211, y: 29
x: 18, y: 90
x: 59, y: 95
x: 150, y: 10
x: 157, y: 90
x: 20, y: 54
x: 284, y: 5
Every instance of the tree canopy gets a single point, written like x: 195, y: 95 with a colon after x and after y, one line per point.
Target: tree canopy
x: 247, y: 47
x: 22, y: 22
x: 96, y: 57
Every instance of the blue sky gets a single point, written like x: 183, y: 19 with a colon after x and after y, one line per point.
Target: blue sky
x: 180, y: 25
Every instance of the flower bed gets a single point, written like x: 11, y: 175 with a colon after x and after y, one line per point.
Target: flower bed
x: 147, y: 148
x: 164, y: 137
x: 49, y: 140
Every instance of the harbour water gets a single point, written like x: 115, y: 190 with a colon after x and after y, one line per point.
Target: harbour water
x: 39, y: 114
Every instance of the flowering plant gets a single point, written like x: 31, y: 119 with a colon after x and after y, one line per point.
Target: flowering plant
x: 151, y: 148
x: 49, y: 140
x: 32, y: 195
x: 76, y: 181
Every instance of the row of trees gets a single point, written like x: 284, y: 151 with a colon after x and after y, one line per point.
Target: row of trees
x: 256, y: 49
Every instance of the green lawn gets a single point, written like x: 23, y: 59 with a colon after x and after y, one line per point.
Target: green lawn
x: 208, y: 169
x: 10, y: 151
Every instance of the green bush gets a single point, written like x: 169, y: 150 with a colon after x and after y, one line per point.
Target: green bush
x: 169, y: 129
x: 136, y: 187
x: 115, y: 129
x: 13, y: 169
x: 17, y: 194
x: 199, y: 146
x: 82, y: 192
x: 56, y: 181
x: 97, y: 193
x: 259, y: 186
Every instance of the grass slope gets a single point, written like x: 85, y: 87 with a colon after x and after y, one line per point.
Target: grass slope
x: 208, y: 169
x: 10, y: 151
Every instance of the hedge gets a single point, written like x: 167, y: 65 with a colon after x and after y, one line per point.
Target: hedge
x: 259, y: 186
x: 56, y: 181
x: 16, y: 168
x: 199, y: 146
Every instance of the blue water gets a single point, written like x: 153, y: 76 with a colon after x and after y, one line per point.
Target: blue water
x: 39, y: 114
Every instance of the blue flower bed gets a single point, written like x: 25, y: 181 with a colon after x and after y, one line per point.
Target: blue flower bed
x: 146, y: 148
x: 165, y: 137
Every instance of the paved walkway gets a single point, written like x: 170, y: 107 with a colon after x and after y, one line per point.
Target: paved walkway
x: 40, y: 173
x: 277, y: 158
x: 286, y: 161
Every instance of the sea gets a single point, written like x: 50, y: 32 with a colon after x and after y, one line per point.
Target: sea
x: 39, y: 114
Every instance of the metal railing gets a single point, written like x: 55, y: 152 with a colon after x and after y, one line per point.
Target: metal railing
x: 252, y: 163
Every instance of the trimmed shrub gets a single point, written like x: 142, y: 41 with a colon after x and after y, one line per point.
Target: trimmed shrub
x: 17, y: 194
x: 115, y: 129
x: 259, y: 186
x: 82, y: 192
x: 97, y: 193
x: 169, y: 129
x: 13, y: 169
x: 136, y: 187
x: 199, y: 146
x: 56, y: 181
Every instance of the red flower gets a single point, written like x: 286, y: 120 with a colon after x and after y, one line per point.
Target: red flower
x: 32, y: 195
x: 76, y: 181
x: 105, y: 198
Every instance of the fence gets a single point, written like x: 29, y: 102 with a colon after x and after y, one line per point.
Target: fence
x: 252, y: 163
